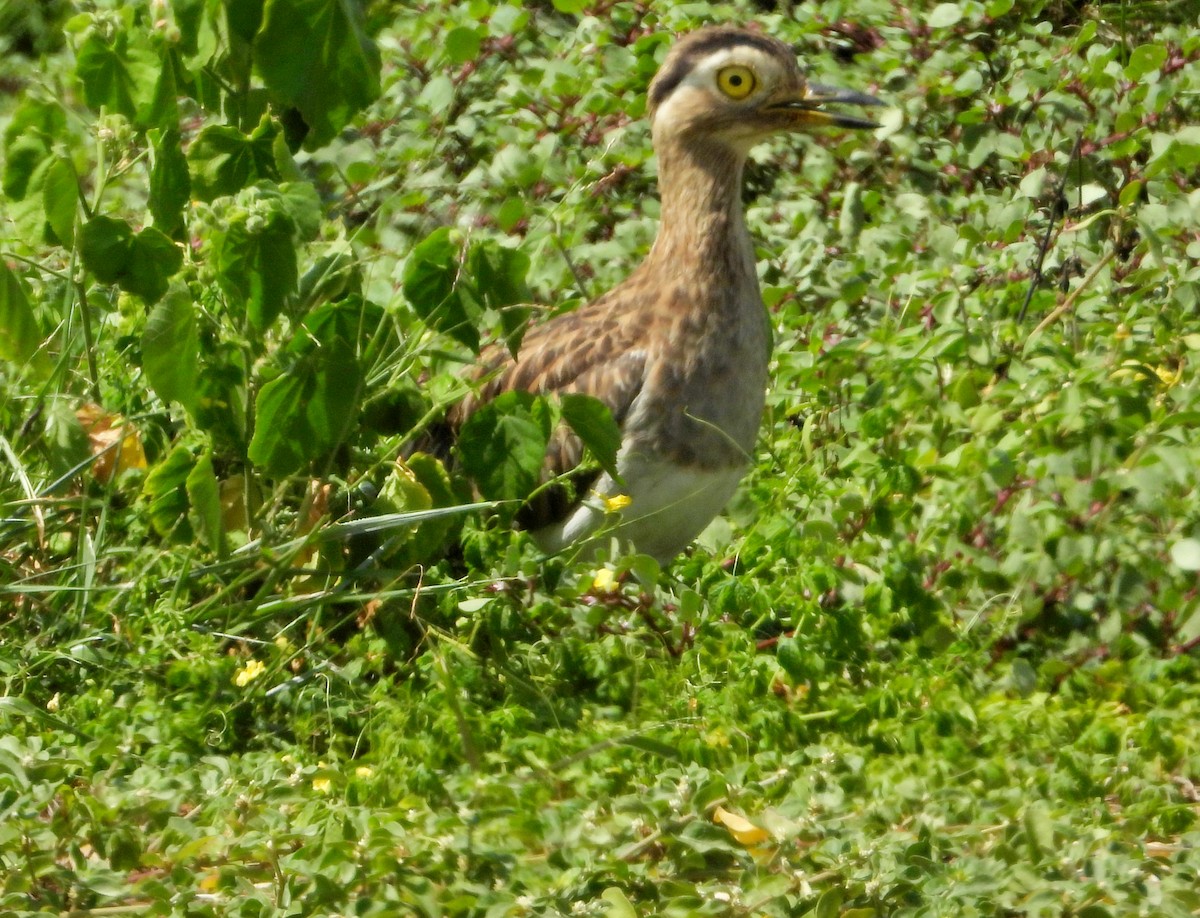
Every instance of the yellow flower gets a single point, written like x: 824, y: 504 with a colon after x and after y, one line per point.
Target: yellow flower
x: 605, y: 581
x: 322, y: 785
x: 617, y: 502
x: 53, y: 703
x: 248, y: 673
x: 363, y: 771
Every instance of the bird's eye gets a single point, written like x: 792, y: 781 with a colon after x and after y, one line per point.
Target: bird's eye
x: 736, y: 81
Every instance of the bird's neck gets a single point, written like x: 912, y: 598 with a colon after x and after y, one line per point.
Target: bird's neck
x: 702, y: 229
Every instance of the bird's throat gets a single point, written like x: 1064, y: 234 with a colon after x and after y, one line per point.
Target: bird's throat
x: 702, y: 225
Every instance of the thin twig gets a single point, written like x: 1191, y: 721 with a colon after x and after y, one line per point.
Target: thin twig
x: 1069, y: 302
x: 1058, y: 205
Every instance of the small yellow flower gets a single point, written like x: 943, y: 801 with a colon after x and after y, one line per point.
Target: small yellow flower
x: 617, y: 502
x: 248, y: 673
x: 605, y: 581
x: 322, y: 785
x: 363, y: 771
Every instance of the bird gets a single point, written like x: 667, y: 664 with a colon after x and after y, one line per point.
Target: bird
x: 679, y: 351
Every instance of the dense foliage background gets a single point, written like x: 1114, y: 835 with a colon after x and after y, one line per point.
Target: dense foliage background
x: 939, y: 658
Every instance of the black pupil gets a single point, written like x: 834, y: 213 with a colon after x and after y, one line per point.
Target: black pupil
x: 735, y: 80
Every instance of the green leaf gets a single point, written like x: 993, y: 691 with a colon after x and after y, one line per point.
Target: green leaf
x: 310, y: 408
x: 619, y: 905
x: 430, y: 284
x: 257, y: 267
x: 829, y: 905
x: 170, y: 183
x: 1039, y: 830
x: 462, y: 44
x: 944, y: 15
x: 141, y: 264
x: 315, y: 56
x: 20, y: 337
x: 1185, y: 554
x: 165, y: 490
x: 503, y: 445
x: 170, y: 348
x: 28, y: 140
x: 106, y: 246
x: 593, y: 423
x: 154, y: 260
x: 222, y: 160
x: 497, y: 281
x: 204, y: 495
x: 1144, y: 60
x: 791, y: 658
x: 118, y: 76
x: 60, y: 199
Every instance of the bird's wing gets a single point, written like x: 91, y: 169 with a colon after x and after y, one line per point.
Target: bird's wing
x: 593, y: 351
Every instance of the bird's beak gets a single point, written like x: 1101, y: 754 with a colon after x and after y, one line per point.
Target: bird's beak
x: 805, y: 106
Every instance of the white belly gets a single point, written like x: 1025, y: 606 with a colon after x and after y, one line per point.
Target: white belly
x: 669, y: 506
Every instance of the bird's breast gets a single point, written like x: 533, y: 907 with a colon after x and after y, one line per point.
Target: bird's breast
x: 705, y: 388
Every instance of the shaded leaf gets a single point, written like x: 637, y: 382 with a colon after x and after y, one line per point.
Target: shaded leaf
x: 315, y: 56
x: 430, y: 284
x: 222, y: 160
x: 20, y: 337
x: 60, y: 199
x: 503, y: 445
x: 170, y: 182
x: 170, y: 348
x: 593, y: 423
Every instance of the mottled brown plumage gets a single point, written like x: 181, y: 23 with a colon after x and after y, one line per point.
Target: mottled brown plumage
x: 679, y: 351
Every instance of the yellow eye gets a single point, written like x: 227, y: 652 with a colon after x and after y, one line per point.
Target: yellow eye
x: 736, y: 81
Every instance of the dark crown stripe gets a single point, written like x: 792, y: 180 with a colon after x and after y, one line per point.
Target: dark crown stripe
x: 703, y: 45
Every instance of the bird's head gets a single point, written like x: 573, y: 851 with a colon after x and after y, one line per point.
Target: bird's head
x: 741, y: 87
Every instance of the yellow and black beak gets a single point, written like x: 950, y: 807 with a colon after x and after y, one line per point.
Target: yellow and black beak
x: 806, y: 106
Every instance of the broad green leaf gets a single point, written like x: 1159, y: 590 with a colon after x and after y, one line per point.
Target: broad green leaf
x: 106, y: 245
x: 165, y: 490
x: 503, y: 445
x: 170, y: 183
x: 462, y: 44
x: 430, y: 284
x: 944, y: 15
x: 20, y: 337
x: 829, y: 905
x: 154, y: 260
x: 312, y: 406
x: 142, y: 264
x: 60, y: 199
x: 1145, y: 59
x: 302, y: 204
x: 791, y: 658
x: 315, y: 56
x: 619, y: 905
x: 498, y: 274
x: 1039, y: 830
x: 204, y: 496
x: 222, y: 160
x: 170, y: 348
x: 257, y: 268
x: 118, y: 76
x: 1185, y: 554
x: 497, y: 280
x: 593, y: 423
x: 28, y: 139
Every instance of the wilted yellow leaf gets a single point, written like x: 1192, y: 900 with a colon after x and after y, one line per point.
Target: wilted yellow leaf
x: 741, y: 828
x: 116, y: 444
